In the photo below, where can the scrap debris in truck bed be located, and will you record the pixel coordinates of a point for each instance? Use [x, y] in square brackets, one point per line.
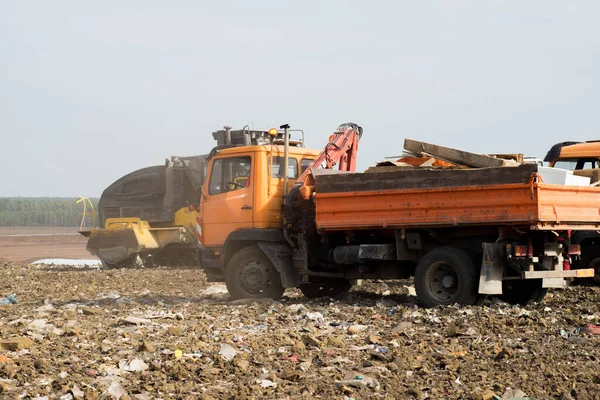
[427, 155]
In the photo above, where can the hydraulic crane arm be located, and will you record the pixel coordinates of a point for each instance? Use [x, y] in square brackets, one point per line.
[341, 150]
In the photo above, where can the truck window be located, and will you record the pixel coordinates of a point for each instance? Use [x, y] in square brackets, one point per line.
[580, 163]
[278, 163]
[306, 163]
[229, 174]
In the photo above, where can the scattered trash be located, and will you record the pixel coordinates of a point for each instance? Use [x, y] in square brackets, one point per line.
[137, 320]
[567, 334]
[356, 329]
[12, 299]
[314, 316]
[16, 343]
[227, 352]
[358, 381]
[411, 290]
[115, 390]
[265, 383]
[381, 349]
[77, 392]
[119, 344]
[215, 289]
[591, 329]
[135, 365]
[513, 394]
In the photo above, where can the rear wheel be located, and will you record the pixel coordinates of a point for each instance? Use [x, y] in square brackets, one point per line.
[591, 259]
[250, 275]
[523, 292]
[446, 276]
[331, 288]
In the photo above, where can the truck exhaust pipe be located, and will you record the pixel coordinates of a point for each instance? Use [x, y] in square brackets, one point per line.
[286, 150]
[227, 134]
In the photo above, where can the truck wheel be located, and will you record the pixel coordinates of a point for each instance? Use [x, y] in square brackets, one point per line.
[446, 276]
[591, 259]
[250, 275]
[523, 292]
[332, 288]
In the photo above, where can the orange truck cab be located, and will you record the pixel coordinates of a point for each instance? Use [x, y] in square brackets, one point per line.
[574, 155]
[242, 200]
[578, 156]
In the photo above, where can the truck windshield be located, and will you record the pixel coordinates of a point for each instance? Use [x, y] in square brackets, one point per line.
[278, 163]
[576, 163]
[229, 174]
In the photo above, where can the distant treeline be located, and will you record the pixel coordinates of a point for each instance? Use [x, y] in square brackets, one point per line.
[41, 211]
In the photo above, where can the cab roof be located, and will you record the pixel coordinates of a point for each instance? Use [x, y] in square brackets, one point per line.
[574, 150]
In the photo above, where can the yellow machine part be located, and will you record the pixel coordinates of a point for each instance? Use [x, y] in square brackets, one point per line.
[123, 237]
[186, 217]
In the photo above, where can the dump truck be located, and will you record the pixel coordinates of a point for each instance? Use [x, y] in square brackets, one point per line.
[462, 233]
[150, 216]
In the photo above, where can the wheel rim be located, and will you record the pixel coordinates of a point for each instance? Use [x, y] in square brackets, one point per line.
[441, 283]
[255, 277]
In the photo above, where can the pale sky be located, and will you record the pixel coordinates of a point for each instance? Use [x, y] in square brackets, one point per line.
[92, 90]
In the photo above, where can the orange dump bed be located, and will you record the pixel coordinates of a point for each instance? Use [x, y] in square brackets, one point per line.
[449, 197]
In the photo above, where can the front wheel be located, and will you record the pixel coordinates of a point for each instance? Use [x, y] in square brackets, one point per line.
[251, 275]
[447, 275]
[330, 288]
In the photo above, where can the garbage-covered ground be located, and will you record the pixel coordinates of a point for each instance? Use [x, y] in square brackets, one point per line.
[80, 332]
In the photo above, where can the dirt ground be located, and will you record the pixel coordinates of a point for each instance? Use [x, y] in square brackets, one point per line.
[31, 244]
[168, 334]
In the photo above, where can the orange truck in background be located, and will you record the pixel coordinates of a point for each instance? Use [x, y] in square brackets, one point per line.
[463, 234]
[583, 158]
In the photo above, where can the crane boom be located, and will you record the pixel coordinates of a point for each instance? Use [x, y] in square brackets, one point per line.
[340, 150]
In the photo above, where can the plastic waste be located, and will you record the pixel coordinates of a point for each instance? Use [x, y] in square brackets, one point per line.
[265, 383]
[135, 365]
[227, 352]
[178, 354]
[314, 316]
[591, 329]
[359, 381]
[12, 299]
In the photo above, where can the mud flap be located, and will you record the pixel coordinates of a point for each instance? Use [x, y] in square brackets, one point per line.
[281, 257]
[492, 269]
[553, 261]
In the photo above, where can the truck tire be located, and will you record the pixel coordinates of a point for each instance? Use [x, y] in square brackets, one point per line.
[446, 275]
[331, 288]
[591, 259]
[251, 275]
[523, 292]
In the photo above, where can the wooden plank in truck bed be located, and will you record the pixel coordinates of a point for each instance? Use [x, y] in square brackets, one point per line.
[455, 156]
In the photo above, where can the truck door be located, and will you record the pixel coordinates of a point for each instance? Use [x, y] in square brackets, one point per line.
[228, 197]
